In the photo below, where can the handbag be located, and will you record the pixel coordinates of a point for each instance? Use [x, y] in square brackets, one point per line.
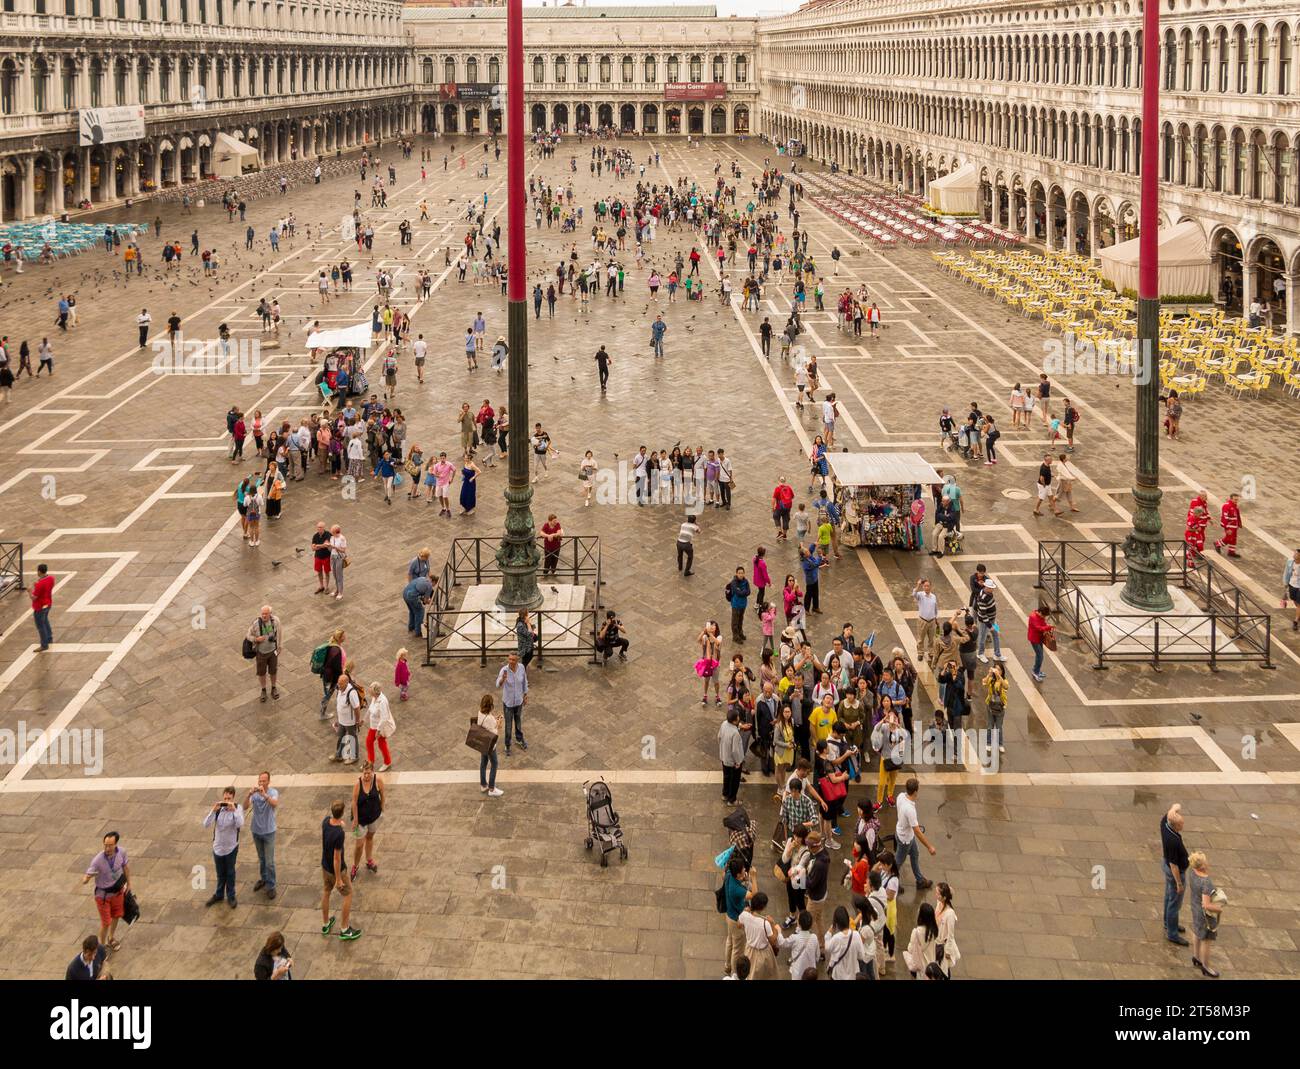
[480, 739]
[1049, 639]
[248, 649]
[831, 791]
[130, 908]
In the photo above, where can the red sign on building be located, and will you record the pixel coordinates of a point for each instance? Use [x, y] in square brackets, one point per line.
[695, 91]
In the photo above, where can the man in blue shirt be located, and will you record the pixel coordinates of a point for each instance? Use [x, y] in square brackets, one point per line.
[263, 800]
[657, 331]
[513, 681]
[811, 562]
[225, 819]
[738, 886]
[738, 595]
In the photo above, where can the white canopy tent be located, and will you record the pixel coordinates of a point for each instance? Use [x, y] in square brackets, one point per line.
[356, 337]
[957, 193]
[1184, 261]
[231, 157]
[881, 469]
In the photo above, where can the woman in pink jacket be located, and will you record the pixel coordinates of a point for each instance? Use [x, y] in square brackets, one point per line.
[761, 580]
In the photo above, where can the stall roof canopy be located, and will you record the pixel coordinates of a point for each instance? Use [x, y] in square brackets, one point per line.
[881, 469]
[357, 337]
[1185, 261]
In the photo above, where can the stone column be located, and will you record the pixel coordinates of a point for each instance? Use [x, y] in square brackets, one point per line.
[27, 200]
[1248, 269]
[54, 194]
[83, 174]
[1292, 325]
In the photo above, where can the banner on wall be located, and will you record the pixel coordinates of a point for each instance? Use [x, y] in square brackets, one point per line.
[695, 91]
[468, 91]
[102, 126]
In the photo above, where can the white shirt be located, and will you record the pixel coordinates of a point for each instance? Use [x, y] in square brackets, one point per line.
[346, 705]
[927, 605]
[421, 348]
[381, 714]
[724, 470]
[844, 951]
[805, 952]
[757, 930]
[905, 831]
[688, 532]
[144, 319]
[828, 413]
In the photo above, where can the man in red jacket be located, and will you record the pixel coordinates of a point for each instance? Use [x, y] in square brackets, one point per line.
[42, 591]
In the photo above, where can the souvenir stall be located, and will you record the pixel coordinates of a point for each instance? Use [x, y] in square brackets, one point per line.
[874, 492]
[343, 355]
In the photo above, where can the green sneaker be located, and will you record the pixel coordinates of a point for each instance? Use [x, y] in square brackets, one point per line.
[348, 934]
[327, 928]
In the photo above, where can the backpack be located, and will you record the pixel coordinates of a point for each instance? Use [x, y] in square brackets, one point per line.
[318, 658]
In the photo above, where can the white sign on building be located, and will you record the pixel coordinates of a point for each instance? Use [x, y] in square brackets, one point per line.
[101, 126]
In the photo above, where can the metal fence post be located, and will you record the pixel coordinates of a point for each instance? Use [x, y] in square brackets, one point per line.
[1214, 642]
[482, 639]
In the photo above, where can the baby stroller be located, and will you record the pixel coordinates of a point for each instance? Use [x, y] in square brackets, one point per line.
[602, 822]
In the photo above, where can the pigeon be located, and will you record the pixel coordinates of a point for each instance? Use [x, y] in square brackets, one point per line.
[276, 563]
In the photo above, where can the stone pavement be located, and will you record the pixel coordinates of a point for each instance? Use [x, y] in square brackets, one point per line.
[119, 478]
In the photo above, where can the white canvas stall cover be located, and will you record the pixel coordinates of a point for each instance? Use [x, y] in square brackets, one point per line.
[357, 337]
[881, 469]
[230, 156]
[1184, 261]
[957, 193]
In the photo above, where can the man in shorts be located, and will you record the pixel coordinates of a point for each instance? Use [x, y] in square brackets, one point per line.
[782, 499]
[1291, 579]
[334, 871]
[421, 350]
[1046, 487]
[320, 564]
[442, 473]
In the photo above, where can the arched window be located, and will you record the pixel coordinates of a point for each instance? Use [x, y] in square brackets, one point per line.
[606, 69]
[1243, 60]
[742, 73]
[561, 68]
[1171, 61]
[539, 70]
[1283, 60]
[119, 83]
[142, 81]
[449, 69]
[1223, 59]
[674, 69]
[584, 69]
[697, 69]
[8, 87]
[628, 68]
[40, 84]
[494, 70]
[720, 72]
[426, 71]
[69, 85]
[1186, 42]
[1261, 60]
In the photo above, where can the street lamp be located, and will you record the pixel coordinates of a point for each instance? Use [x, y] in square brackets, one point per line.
[517, 555]
[1144, 582]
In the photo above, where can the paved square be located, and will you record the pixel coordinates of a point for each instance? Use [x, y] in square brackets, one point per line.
[120, 479]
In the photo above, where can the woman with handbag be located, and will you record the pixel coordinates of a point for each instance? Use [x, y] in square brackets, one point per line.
[832, 785]
[996, 692]
[488, 755]
[924, 946]
[382, 727]
[1041, 634]
[889, 739]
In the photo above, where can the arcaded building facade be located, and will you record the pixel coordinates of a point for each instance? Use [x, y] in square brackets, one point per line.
[292, 78]
[1045, 99]
[652, 69]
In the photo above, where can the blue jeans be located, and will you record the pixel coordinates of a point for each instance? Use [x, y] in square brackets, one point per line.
[414, 613]
[265, 859]
[484, 760]
[912, 850]
[658, 347]
[42, 618]
[225, 867]
[515, 715]
[1173, 904]
[982, 638]
[1038, 657]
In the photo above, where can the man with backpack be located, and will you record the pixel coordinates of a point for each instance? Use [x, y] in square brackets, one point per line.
[347, 709]
[264, 638]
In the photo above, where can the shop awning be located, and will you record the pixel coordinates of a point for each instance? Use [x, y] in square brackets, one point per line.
[357, 337]
[957, 192]
[881, 469]
[1184, 264]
